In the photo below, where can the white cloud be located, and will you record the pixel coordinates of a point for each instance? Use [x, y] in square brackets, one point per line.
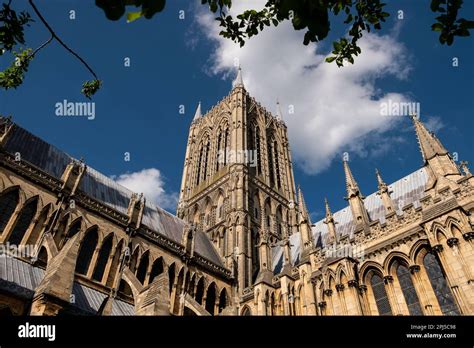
[434, 123]
[336, 109]
[149, 182]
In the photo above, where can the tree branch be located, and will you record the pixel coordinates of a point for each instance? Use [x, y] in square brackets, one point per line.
[53, 34]
[40, 47]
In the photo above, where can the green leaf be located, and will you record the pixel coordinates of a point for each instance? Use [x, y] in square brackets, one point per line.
[133, 16]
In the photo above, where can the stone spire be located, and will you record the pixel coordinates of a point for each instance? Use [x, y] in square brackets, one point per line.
[305, 228]
[238, 82]
[302, 206]
[329, 220]
[430, 146]
[279, 114]
[384, 193]
[355, 198]
[351, 184]
[198, 113]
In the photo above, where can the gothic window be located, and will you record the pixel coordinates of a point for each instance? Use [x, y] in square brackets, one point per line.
[258, 146]
[440, 285]
[156, 269]
[75, 227]
[277, 164]
[171, 276]
[381, 298]
[199, 165]
[226, 144]
[102, 259]
[143, 267]
[206, 161]
[200, 290]
[408, 289]
[88, 245]
[219, 150]
[255, 256]
[23, 221]
[8, 203]
[271, 172]
[211, 298]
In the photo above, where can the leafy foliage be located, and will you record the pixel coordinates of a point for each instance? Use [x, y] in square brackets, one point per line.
[13, 76]
[448, 25]
[89, 88]
[313, 16]
[11, 28]
[115, 9]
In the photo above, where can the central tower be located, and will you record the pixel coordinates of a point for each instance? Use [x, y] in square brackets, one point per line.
[238, 184]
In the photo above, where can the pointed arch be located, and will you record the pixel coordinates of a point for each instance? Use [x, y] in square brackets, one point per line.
[171, 276]
[211, 298]
[103, 258]
[439, 284]
[86, 250]
[143, 267]
[377, 286]
[199, 290]
[39, 225]
[223, 300]
[23, 221]
[399, 267]
[156, 269]
[9, 200]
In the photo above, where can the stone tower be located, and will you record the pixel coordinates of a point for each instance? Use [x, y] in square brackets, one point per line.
[238, 184]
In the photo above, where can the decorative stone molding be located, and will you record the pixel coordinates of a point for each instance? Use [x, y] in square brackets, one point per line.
[468, 235]
[362, 288]
[339, 287]
[414, 269]
[438, 248]
[322, 304]
[352, 283]
[388, 279]
[328, 292]
[452, 242]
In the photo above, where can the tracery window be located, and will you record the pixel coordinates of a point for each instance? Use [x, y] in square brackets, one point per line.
[440, 285]
[380, 295]
[408, 289]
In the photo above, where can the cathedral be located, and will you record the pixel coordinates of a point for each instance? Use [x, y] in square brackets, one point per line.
[73, 241]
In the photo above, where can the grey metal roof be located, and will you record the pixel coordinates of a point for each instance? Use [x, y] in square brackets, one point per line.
[23, 278]
[102, 188]
[122, 308]
[409, 189]
[36, 151]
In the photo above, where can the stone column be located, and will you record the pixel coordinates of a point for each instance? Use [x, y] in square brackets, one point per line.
[388, 280]
[420, 290]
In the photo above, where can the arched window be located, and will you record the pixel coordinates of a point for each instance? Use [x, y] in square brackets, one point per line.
[103, 258]
[23, 221]
[255, 255]
[73, 229]
[408, 289]
[211, 298]
[199, 165]
[171, 276]
[440, 285]
[271, 172]
[381, 298]
[258, 148]
[200, 290]
[222, 300]
[246, 311]
[206, 161]
[8, 203]
[220, 152]
[88, 245]
[156, 269]
[277, 164]
[143, 267]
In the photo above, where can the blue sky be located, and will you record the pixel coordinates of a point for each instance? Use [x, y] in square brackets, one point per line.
[178, 62]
